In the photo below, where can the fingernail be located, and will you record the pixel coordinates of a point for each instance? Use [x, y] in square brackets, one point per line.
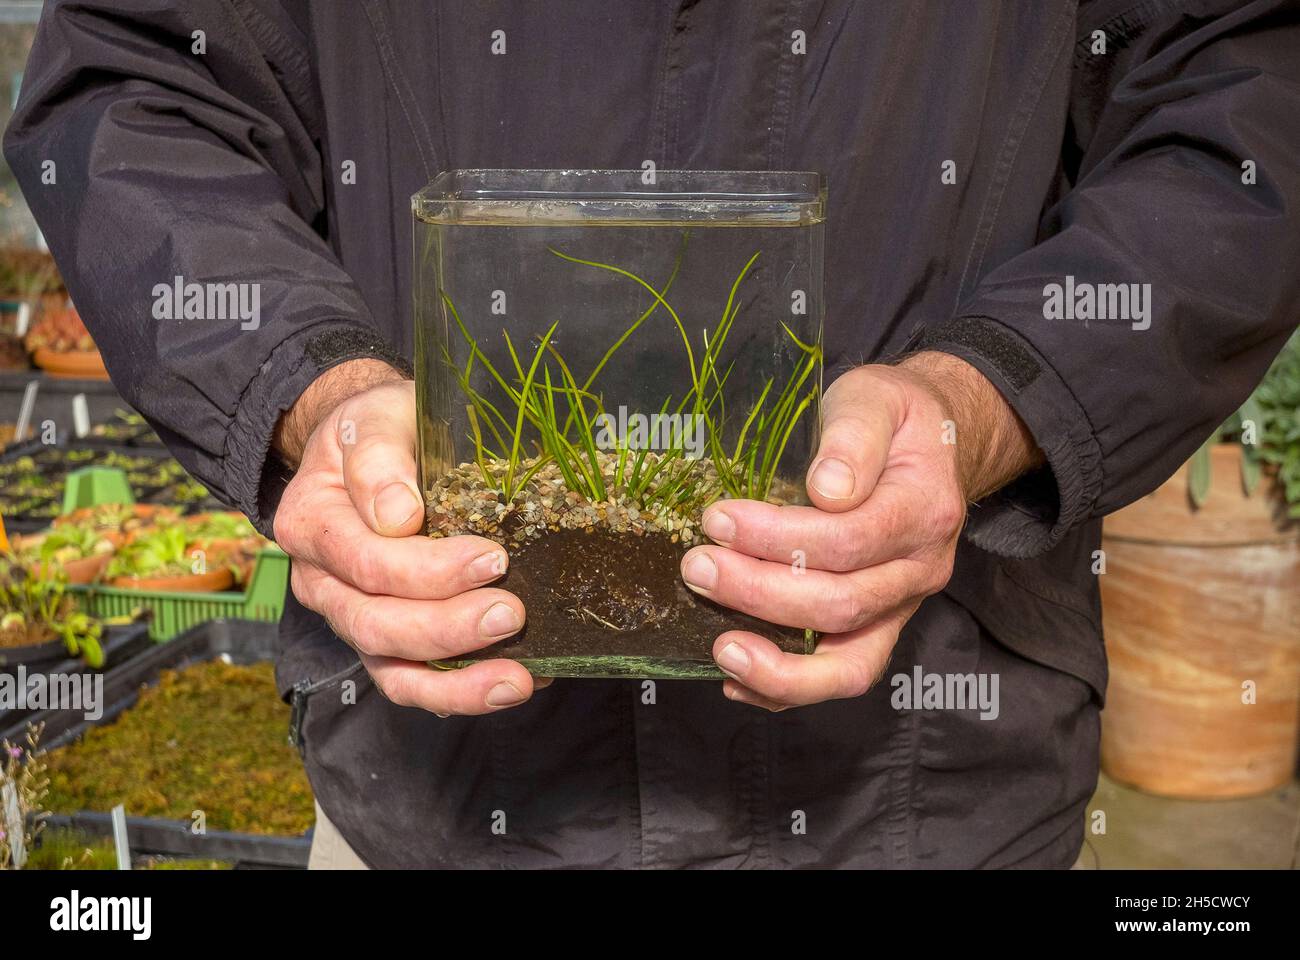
[734, 660]
[701, 572]
[504, 694]
[500, 621]
[833, 479]
[719, 527]
[395, 504]
[489, 566]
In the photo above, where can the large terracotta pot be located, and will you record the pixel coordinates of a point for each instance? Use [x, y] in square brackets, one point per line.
[72, 364]
[1202, 614]
[214, 581]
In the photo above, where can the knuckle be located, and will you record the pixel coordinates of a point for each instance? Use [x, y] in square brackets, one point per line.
[849, 609]
[354, 409]
[845, 546]
[398, 688]
[366, 629]
[391, 690]
[855, 678]
[285, 523]
[898, 519]
[364, 641]
[946, 517]
[367, 567]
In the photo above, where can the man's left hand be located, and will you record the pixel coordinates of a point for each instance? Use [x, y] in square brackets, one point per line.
[903, 450]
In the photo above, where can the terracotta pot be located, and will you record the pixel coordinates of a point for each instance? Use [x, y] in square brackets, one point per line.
[81, 570]
[73, 364]
[211, 582]
[1202, 614]
[85, 570]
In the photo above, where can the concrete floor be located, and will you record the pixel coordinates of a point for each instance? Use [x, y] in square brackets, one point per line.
[1143, 831]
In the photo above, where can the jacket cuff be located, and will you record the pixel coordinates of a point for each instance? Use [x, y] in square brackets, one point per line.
[1032, 514]
[255, 477]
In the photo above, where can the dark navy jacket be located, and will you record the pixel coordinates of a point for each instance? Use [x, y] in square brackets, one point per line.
[1107, 141]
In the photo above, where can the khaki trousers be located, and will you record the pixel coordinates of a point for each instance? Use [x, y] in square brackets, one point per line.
[329, 851]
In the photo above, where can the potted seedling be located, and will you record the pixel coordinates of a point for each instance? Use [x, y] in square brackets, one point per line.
[28, 280]
[1202, 610]
[62, 346]
[118, 520]
[229, 537]
[78, 552]
[599, 359]
[167, 558]
[39, 621]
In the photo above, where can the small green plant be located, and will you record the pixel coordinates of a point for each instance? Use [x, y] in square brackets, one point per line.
[38, 609]
[170, 549]
[26, 273]
[565, 413]
[221, 526]
[66, 543]
[1267, 426]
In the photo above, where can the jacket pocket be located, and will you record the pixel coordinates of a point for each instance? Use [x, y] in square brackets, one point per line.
[302, 693]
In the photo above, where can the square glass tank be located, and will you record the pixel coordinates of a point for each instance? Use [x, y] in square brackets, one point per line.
[600, 354]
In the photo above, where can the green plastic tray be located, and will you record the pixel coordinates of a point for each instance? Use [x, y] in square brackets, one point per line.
[173, 612]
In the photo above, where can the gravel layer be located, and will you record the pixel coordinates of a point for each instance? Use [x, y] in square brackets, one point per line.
[461, 502]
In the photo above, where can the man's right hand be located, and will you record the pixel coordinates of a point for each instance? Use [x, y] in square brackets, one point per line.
[349, 519]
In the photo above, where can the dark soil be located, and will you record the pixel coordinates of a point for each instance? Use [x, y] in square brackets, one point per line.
[594, 592]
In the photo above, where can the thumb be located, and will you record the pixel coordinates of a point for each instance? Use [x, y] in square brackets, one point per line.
[377, 439]
[860, 413]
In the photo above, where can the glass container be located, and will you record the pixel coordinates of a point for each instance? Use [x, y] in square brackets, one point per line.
[600, 354]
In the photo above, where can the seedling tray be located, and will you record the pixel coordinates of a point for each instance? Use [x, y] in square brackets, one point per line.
[120, 645]
[172, 613]
[60, 471]
[173, 838]
[243, 642]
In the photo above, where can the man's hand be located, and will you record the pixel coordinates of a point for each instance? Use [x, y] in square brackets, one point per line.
[904, 449]
[348, 519]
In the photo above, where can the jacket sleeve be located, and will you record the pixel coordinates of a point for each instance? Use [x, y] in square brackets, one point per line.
[1183, 168]
[176, 143]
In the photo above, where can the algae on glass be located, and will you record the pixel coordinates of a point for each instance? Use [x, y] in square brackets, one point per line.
[599, 356]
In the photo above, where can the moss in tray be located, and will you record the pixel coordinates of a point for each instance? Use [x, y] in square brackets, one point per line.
[210, 737]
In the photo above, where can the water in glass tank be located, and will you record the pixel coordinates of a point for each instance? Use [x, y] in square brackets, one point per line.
[598, 358]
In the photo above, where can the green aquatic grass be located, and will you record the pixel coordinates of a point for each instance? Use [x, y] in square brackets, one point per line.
[564, 413]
